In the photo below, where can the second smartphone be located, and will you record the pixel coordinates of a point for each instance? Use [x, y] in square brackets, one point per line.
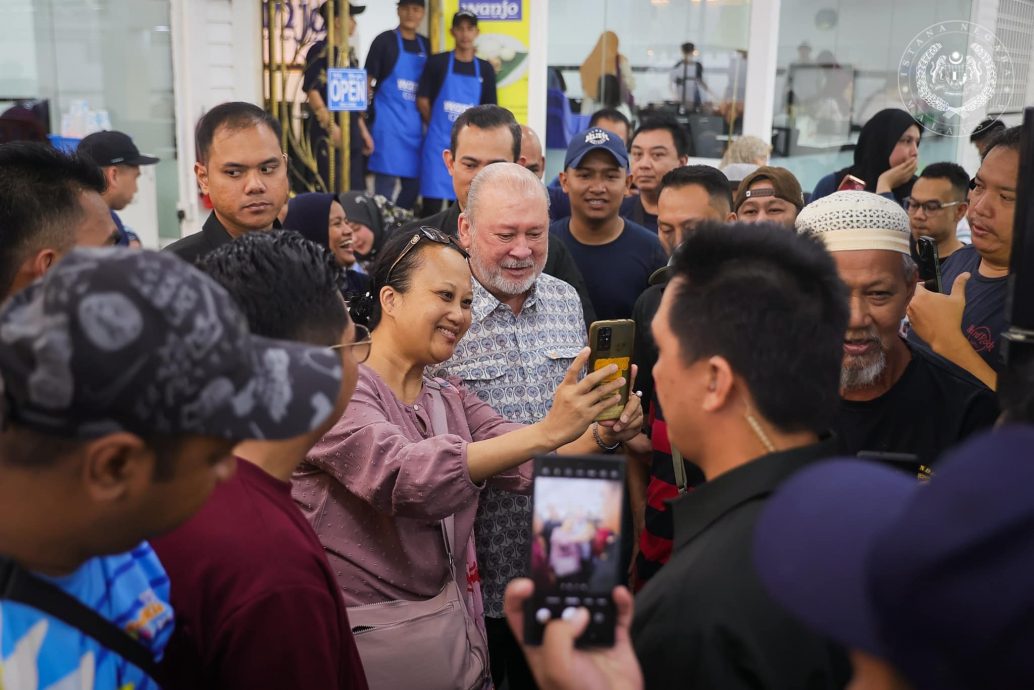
[612, 342]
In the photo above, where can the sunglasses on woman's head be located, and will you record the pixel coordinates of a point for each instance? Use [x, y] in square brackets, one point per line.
[427, 233]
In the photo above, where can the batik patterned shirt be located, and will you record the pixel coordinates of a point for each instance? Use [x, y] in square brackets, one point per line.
[514, 362]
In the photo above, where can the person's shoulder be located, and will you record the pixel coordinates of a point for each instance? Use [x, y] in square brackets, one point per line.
[556, 291]
[437, 221]
[965, 258]
[956, 382]
[640, 235]
[561, 226]
[486, 68]
[386, 36]
[188, 248]
[649, 299]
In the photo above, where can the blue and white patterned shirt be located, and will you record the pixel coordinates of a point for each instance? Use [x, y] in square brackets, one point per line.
[514, 362]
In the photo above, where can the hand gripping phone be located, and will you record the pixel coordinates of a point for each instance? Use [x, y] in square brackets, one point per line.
[612, 342]
[575, 553]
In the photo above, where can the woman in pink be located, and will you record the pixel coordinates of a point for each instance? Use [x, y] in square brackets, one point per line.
[378, 486]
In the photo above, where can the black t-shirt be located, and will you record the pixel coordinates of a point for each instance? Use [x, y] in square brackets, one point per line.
[434, 76]
[983, 319]
[615, 273]
[632, 209]
[315, 77]
[931, 408]
[384, 53]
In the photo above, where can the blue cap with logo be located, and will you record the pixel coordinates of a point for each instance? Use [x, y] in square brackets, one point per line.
[595, 139]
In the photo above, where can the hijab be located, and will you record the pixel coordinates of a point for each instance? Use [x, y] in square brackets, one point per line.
[876, 142]
[309, 215]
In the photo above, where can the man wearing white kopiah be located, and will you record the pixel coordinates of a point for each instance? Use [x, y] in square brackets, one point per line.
[897, 403]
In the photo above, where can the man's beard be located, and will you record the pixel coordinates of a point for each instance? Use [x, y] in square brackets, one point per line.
[863, 371]
[491, 275]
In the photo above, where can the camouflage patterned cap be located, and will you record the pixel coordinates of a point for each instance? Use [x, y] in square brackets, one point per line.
[140, 341]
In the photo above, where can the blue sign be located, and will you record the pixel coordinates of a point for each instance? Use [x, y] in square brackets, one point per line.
[346, 89]
[495, 10]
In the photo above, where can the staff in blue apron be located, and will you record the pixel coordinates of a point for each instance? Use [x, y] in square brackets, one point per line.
[453, 82]
[397, 128]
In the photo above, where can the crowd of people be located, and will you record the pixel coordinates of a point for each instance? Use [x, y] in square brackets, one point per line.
[293, 450]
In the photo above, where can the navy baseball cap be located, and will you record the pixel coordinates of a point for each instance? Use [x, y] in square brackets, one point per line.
[113, 148]
[932, 577]
[141, 341]
[593, 140]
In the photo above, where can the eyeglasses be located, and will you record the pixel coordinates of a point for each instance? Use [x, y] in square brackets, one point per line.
[360, 346]
[429, 233]
[928, 206]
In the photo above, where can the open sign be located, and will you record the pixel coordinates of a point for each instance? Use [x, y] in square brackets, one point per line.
[346, 89]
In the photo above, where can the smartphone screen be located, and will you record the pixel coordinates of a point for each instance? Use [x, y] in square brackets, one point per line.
[851, 183]
[576, 543]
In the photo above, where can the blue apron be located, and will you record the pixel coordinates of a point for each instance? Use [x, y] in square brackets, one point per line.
[397, 126]
[458, 92]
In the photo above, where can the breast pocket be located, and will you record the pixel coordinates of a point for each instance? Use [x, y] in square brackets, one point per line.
[478, 368]
[560, 357]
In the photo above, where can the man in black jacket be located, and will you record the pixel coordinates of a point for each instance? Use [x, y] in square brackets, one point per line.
[243, 170]
[481, 136]
[749, 332]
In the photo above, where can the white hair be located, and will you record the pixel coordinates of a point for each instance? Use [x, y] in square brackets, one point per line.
[514, 178]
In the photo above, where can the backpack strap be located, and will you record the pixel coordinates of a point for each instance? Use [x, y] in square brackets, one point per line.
[19, 585]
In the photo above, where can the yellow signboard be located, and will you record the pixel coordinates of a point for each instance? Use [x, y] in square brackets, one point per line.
[505, 30]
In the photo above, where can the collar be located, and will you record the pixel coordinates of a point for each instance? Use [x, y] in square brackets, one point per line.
[485, 303]
[216, 234]
[706, 504]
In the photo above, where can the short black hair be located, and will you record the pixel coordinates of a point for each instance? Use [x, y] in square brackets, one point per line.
[367, 311]
[39, 201]
[713, 180]
[771, 303]
[678, 134]
[26, 448]
[487, 116]
[954, 173]
[233, 115]
[985, 129]
[1009, 138]
[288, 287]
[609, 114]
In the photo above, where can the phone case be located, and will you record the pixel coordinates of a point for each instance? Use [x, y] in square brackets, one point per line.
[618, 350]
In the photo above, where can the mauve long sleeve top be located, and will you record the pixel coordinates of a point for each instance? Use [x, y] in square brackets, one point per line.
[376, 487]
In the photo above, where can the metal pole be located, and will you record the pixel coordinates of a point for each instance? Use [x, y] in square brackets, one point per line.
[332, 146]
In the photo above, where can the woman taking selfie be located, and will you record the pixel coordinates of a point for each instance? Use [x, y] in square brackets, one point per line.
[392, 490]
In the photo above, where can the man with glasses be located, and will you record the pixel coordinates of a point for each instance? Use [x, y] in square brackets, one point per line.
[938, 204]
[898, 403]
[256, 601]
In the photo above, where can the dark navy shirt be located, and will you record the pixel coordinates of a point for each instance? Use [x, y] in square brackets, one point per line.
[615, 273]
[983, 319]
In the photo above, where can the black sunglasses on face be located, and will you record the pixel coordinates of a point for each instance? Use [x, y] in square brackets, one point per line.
[427, 233]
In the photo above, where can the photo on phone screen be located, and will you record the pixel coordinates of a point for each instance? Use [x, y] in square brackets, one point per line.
[576, 543]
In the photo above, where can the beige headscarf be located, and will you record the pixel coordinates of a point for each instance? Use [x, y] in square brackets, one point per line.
[602, 60]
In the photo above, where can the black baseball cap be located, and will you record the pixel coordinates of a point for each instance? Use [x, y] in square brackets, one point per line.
[932, 577]
[464, 16]
[140, 341]
[411, 2]
[113, 148]
[592, 140]
[352, 9]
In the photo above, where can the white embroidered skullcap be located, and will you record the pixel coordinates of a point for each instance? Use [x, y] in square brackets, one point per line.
[846, 221]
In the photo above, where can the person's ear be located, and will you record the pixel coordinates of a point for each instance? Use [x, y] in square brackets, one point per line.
[731, 218]
[628, 184]
[116, 466]
[110, 176]
[464, 232]
[389, 300]
[450, 161]
[960, 212]
[201, 173]
[683, 161]
[562, 177]
[720, 381]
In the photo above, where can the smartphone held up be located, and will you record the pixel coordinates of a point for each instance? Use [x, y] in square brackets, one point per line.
[575, 552]
[611, 342]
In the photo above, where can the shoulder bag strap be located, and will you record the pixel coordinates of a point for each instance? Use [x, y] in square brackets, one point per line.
[18, 584]
[440, 426]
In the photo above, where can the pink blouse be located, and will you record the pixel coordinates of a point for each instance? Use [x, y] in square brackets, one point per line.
[376, 486]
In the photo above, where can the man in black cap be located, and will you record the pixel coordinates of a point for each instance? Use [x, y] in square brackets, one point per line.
[128, 378]
[452, 82]
[314, 84]
[120, 160]
[393, 67]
